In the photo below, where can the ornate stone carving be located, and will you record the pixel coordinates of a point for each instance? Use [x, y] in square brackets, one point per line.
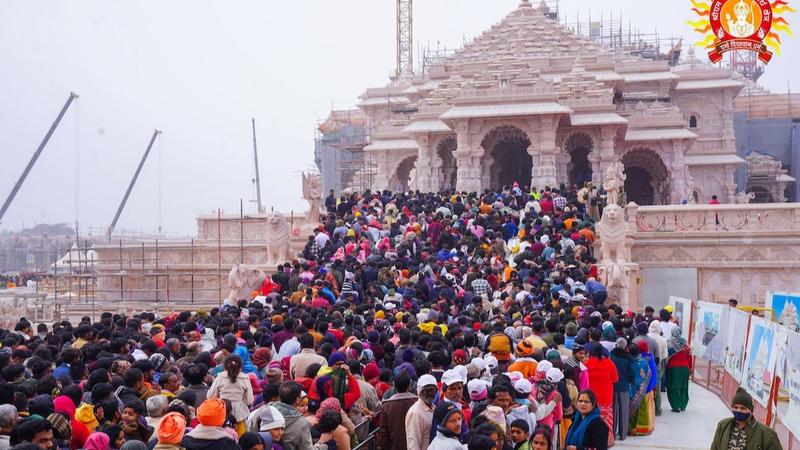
[278, 232]
[679, 254]
[751, 254]
[312, 193]
[717, 256]
[615, 180]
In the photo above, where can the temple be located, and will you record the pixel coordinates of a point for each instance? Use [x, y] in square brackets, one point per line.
[529, 101]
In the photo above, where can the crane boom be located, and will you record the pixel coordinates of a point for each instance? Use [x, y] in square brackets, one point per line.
[36, 154]
[405, 40]
[258, 178]
[132, 183]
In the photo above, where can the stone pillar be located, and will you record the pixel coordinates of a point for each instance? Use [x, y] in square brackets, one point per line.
[469, 171]
[605, 154]
[543, 154]
[486, 170]
[562, 166]
[426, 171]
[730, 184]
[383, 171]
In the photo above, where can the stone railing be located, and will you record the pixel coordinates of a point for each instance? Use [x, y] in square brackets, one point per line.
[752, 218]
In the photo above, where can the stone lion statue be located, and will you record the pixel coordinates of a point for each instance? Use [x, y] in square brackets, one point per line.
[743, 198]
[242, 281]
[611, 231]
[278, 234]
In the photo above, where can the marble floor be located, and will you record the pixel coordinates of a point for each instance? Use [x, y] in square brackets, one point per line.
[689, 430]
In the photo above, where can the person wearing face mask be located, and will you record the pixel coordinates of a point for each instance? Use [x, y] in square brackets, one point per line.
[743, 431]
[419, 417]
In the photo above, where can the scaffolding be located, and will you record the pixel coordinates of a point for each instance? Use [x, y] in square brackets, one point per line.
[339, 151]
[610, 30]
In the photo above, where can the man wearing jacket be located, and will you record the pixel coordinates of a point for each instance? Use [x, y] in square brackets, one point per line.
[743, 431]
[297, 434]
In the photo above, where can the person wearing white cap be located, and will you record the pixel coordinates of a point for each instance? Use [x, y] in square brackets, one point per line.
[521, 409]
[453, 391]
[419, 417]
[478, 393]
[491, 367]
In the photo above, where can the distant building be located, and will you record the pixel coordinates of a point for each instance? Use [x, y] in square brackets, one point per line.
[339, 152]
[767, 134]
[531, 101]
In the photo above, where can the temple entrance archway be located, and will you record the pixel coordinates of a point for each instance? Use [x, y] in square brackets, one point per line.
[508, 147]
[448, 172]
[647, 178]
[401, 181]
[579, 169]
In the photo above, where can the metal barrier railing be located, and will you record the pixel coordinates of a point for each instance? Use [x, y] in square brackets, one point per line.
[370, 443]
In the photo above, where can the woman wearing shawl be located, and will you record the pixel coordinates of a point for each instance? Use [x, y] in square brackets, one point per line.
[261, 359]
[588, 430]
[602, 376]
[643, 409]
[679, 367]
[336, 381]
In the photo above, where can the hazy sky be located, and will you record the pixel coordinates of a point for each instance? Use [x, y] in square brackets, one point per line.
[199, 70]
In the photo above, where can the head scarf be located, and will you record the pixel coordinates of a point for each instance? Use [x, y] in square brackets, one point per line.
[97, 441]
[61, 425]
[329, 404]
[64, 405]
[261, 357]
[676, 341]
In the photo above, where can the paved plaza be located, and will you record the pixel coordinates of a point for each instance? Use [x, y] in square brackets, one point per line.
[689, 430]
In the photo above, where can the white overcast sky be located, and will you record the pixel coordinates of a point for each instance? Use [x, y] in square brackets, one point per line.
[199, 70]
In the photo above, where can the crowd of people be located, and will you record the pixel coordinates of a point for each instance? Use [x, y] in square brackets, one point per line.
[443, 321]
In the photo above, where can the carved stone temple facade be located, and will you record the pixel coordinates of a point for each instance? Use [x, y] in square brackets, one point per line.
[529, 101]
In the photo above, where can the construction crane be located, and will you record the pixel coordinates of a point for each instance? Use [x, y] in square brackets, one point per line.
[405, 41]
[257, 179]
[132, 183]
[36, 154]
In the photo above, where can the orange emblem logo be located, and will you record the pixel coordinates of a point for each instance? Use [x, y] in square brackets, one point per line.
[751, 25]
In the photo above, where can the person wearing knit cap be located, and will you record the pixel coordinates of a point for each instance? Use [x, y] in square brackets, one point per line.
[62, 433]
[209, 434]
[447, 420]
[419, 417]
[271, 428]
[170, 431]
[743, 430]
